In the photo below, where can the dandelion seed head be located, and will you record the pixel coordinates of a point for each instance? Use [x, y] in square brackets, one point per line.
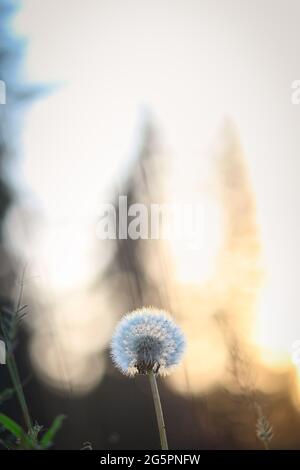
[147, 340]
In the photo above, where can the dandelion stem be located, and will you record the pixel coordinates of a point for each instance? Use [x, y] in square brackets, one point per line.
[158, 411]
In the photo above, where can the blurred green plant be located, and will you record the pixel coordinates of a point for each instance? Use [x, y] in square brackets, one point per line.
[9, 322]
[19, 438]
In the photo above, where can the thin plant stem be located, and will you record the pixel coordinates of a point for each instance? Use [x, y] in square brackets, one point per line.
[158, 411]
[15, 378]
[12, 364]
[266, 445]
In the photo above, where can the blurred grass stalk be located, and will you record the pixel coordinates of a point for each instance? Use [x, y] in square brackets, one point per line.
[15, 378]
[10, 333]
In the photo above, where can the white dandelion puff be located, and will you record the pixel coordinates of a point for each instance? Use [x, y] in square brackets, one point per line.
[147, 340]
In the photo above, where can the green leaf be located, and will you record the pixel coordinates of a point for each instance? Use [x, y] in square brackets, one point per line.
[11, 426]
[15, 429]
[48, 437]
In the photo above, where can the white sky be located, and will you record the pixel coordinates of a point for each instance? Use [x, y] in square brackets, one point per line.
[192, 62]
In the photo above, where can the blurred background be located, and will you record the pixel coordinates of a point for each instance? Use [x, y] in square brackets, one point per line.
[164, 102]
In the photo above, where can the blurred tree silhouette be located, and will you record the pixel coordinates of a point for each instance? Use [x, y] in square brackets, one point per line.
[17, 94]
[142, 185]
[9, 62]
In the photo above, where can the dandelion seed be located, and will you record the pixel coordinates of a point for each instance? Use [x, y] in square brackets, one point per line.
[148, 341]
